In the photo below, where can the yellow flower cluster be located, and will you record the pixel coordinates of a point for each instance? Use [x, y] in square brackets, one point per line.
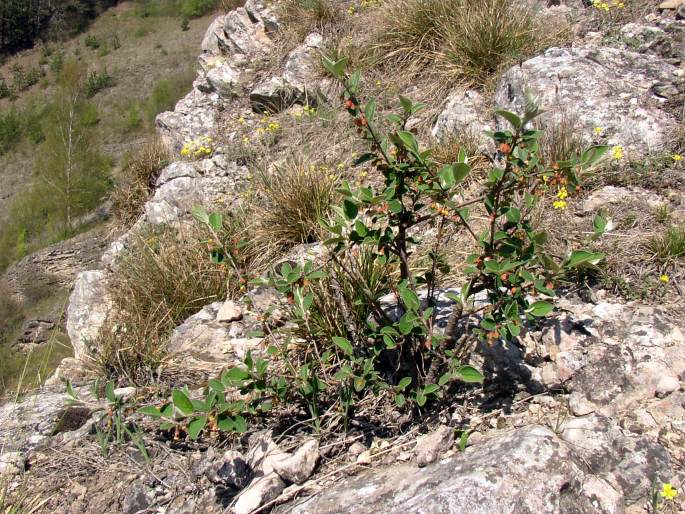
[598, 131]
[561, 202]
[677, 157]
[306, 110]
[608, 6]
[267, 125]
[668, 492]
[664, 278]
[617, 152]
[198, 148]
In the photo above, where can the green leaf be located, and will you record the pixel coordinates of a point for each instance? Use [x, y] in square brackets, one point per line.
[240, 424]
[431, 389]
[335, 68]
[510, 117]
[540, 308]
[216, 221]
[461, 171]
[234, 375]
[350, 209]
[407, 104]
[395, 206]
[599, 224]
[409, 140]
[410, 299]
[444, 379]
[344, 345]
[199, 214]
[468, 374]
[463, 440]
[109, 392]
[513, 215]
[592, 156]
[182, 402]
[70, 391]
[400, 400]
[446, 176]
[151, 411]
[402, 385]
[583, 257]
[216, 385]
[196, 426]
[370, 110]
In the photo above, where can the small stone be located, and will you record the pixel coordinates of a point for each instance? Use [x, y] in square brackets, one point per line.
[11, 463]
[579, 405]
[125, 393]
[137, 500]
[298, 467]
[229, 311]
[259, 492]
[356, 449]
[431, 446]
[364, 457]
[666, 385]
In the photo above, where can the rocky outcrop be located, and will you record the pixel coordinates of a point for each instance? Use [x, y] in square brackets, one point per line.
[464, 114]
[529, 470]
[617, 90]
[89, 306]
[299, 82]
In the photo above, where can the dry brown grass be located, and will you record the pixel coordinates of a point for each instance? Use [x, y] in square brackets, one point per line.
[300, 17]
[464, 41]
[137, 179]
[290, 200]
[165, 276]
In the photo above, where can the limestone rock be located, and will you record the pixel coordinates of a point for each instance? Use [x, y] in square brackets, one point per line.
[260, 491]
[430, 447]
[11, 463]
[229, 469]
[464, 114]
[599, 87]
[89, 306]
[298, 467]
[193, 117]
[529, 470]
[229, 311]
[612, 196]
[183, 185]
[298, 83]
[204, 342]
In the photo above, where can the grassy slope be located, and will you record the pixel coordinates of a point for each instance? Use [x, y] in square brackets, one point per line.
[152, 49]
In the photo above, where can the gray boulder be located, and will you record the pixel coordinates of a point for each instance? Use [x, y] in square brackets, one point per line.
[299, 82]
[530, 470]
[615, 89]
[89, 306]
[464, 115]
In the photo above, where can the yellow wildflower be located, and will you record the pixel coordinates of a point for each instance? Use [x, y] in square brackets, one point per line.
[617, 152]
[246, 139]
[668, 492]
[598, 130]
[560, 204]
[664, 278]
[562, 193]
[677, 157]
[241, 120]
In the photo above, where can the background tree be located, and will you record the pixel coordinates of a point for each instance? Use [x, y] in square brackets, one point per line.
[70, 167]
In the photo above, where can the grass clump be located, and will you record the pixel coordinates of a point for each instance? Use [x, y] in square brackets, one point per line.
[164, 277]
[669, 246]
[300, 17]
[96, 82]
[465, 40]
[137, 180]
[291, 200]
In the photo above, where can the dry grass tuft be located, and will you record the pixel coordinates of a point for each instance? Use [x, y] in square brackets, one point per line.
[669, 245]
[137, 180]
[290, 200]
[561, 140]
[466, 41]
[300, 17]
[166, 276]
